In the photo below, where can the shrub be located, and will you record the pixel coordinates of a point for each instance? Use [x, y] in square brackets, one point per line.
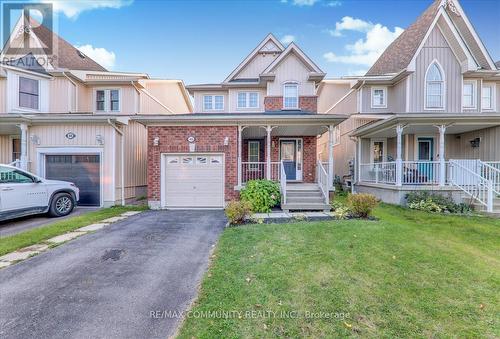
[236, 211]
[362, 204]
[446, 204]
[262, 195]
[425, 205]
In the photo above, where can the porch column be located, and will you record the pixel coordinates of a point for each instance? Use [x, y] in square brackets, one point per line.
[399, 155]
[330, 156]
[240, 129]
[24, 146]
[268, 152]
[442, 164]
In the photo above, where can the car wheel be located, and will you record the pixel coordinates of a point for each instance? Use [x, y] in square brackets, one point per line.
[62, 204]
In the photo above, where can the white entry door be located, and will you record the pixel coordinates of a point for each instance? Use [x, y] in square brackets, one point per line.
[193, 181]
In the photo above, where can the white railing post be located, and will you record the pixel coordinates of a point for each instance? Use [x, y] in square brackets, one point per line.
[330, 156]
[489, 206]
[283, 182]
[399, 155]
[240, 129]
[24, 146]
[442, 168]
[268, 155]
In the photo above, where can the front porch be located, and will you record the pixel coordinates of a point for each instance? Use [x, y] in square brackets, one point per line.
[454, 157]
[13, 144]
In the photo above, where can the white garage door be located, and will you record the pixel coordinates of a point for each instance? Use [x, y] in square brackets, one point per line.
[194, 181]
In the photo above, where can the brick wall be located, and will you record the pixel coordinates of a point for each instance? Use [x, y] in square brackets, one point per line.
[306, 103]
[173, 139]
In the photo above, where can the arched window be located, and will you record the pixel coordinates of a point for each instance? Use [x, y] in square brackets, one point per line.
[434, 84]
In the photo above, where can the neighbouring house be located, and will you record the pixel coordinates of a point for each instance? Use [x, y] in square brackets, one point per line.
[426, 116]
[261, 122]
[66, 117]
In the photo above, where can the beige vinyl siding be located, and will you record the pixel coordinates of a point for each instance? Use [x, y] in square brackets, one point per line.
[291, 68]
[458, 146]
[5, 149]
[169, 93]
[54, 136]
[436, 48]
[60, 98]
[330, 94]
[135, 151]
[256, 65]
[198, 101]
[3, 95]
[396, 98]
[233, 100]
[347, 105]
[85, 99]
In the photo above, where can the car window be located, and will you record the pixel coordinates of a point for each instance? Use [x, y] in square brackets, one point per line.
[13, 176]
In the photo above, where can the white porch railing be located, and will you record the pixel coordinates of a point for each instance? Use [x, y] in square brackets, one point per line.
[322, 176]
[283, 183]
[472, 183]
[412, 173]
[258, 170]
[16, 163]
[490, 170]
[379, 172]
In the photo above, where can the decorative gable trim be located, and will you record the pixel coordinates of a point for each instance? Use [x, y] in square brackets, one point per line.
[293, 48]
[261, 47]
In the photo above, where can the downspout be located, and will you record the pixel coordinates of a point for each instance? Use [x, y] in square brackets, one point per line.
[122, 160]
[76, 90]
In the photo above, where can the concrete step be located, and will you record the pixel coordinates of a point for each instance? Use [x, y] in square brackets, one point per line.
[304, 194]
[305, 207]
[305, 200]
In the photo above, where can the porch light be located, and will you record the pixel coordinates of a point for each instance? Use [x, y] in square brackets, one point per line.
[35, 140]
[475, 142]
[226, 141]
[99, 139]
[156, 141]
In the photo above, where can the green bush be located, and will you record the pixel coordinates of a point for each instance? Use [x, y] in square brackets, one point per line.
[362, 204]
[340, 211]
[236, 211]
[446, 204]
[425, 205]
[262, 195]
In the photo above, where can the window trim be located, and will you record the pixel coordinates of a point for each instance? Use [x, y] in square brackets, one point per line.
[288, 83]
[384, 89]
[19, 93]
[213, 102]
[107, 99]
[443, 81]
[474, 94]
[247, 100]
[493, 98]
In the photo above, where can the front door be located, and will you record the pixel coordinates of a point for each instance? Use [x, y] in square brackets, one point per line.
[291, 155]
[425, 154]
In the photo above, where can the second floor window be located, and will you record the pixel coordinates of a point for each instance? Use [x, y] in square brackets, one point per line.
[487, 97]
[107, 100]
[469, 94]
[379, 97]
[290, 96]
[28, 93]
[248, 100]
[213, 102]
[434, 84]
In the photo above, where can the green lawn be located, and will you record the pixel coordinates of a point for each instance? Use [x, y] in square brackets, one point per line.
[411, 274]
[17, 241]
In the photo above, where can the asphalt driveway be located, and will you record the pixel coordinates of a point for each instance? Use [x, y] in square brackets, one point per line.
[112, 283]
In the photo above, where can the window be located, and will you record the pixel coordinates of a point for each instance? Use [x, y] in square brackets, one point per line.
[28, 93]
[187, 160]
[172, 160]
[201, 160]
[16, 149]
[469, 94]
[487, 97]
[378, 150]
[291, 96]
[379, 97]
[100, 101]
[213, 102]
[216, 160]
[14, 176]
[254, 154]
[248, 100]
[434, 84]
[107, 100]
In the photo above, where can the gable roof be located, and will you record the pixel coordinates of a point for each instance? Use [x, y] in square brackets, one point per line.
[293, 48]
[263, 46]
[68, 56]
[497, 64]
[27, 62]
[400, 52]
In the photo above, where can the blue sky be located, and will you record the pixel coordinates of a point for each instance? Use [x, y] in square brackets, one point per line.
[203, 41]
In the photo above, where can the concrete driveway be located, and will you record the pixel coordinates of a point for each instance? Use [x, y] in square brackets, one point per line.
[109, 283]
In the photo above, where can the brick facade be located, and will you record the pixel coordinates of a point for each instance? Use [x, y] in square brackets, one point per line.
[173, 139]
[306, 103]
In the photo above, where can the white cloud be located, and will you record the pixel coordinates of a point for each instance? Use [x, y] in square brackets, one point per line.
[102, 56]
[334, 3]
[73, 8]
[357, 72]
[364, 51]
[304, 2]
[287, 39]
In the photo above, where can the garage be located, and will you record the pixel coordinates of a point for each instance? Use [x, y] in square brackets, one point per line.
[193, 181]
[81, 169]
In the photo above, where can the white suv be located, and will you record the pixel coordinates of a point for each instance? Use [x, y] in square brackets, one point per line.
[23, 193]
